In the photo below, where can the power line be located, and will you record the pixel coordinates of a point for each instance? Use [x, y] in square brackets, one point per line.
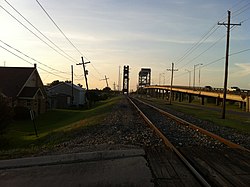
[199, 43]
[66, 36]
[59, 28]
[241, 10]
[31, 57]
[203, 52]
[233, 6]
[217, 60]
[31, 63]
[96, 70]
[39, 31]
[242, 51]
[245, 20]
[34, 33]
[207, 35]
[190, 50]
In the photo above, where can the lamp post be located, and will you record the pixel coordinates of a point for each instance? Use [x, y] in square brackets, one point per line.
[194, 74]
[200, 75]
[189, 75]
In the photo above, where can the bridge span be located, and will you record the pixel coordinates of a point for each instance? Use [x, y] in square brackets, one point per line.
[216, 94]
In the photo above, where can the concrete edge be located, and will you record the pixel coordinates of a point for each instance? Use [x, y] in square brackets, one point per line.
[69, 158]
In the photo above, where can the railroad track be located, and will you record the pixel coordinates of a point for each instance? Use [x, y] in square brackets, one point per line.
[213, 160]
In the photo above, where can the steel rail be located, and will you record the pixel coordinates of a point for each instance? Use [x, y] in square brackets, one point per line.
[192, 126]
[167, 143]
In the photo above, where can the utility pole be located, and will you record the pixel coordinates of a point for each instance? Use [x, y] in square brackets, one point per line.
[106, 79]
[171, 85]
[119, 79]
[228, 26]
[85, 72]
[72, 90]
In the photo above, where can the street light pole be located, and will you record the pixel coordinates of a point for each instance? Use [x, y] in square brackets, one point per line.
[189, 80]
[200, 76]
[194, 74]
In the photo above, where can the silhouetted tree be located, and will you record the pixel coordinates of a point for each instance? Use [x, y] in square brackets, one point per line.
[54, 83]
[107, 89]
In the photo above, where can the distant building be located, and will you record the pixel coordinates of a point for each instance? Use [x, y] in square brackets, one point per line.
[60, 95]
[22, 86]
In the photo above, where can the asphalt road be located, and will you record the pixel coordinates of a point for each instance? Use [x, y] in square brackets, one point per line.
[103, 168]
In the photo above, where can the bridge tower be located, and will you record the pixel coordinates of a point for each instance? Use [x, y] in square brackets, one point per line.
[144, 78]
[125, 79]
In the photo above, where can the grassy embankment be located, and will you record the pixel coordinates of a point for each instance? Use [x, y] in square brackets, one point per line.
[53, 127]
[235, 117]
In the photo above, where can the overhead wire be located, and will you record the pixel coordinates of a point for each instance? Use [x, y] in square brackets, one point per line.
[31, 57]
[197, 44]
[208, 34]
[241, 10]
[39, 31]
[58, 28]
[66, 36]
[34, 33]
[31, 63]
[213, 44]
[231, 8]
[217, 60]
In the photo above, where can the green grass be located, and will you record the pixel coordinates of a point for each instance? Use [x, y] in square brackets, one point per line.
[53, 127]
[236, 119]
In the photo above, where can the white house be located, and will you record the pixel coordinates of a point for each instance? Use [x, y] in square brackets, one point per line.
[60, 95]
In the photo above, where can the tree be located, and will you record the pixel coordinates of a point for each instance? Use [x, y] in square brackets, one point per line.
[107, 89]
[54, 83]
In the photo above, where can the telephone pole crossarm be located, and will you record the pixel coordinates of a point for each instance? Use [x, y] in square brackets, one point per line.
[231, 24]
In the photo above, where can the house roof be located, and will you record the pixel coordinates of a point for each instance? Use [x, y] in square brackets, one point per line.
[12, 79]
[67, 84]
[74, 86]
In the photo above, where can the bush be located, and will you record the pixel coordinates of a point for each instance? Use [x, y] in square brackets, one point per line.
[6, 115]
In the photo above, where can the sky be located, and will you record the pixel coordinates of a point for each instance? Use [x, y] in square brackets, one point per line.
[138, 33]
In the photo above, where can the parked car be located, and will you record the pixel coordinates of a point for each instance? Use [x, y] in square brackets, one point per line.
[208, 88]
[234, 89]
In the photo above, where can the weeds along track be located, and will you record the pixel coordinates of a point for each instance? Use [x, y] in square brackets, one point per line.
[213, 159]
